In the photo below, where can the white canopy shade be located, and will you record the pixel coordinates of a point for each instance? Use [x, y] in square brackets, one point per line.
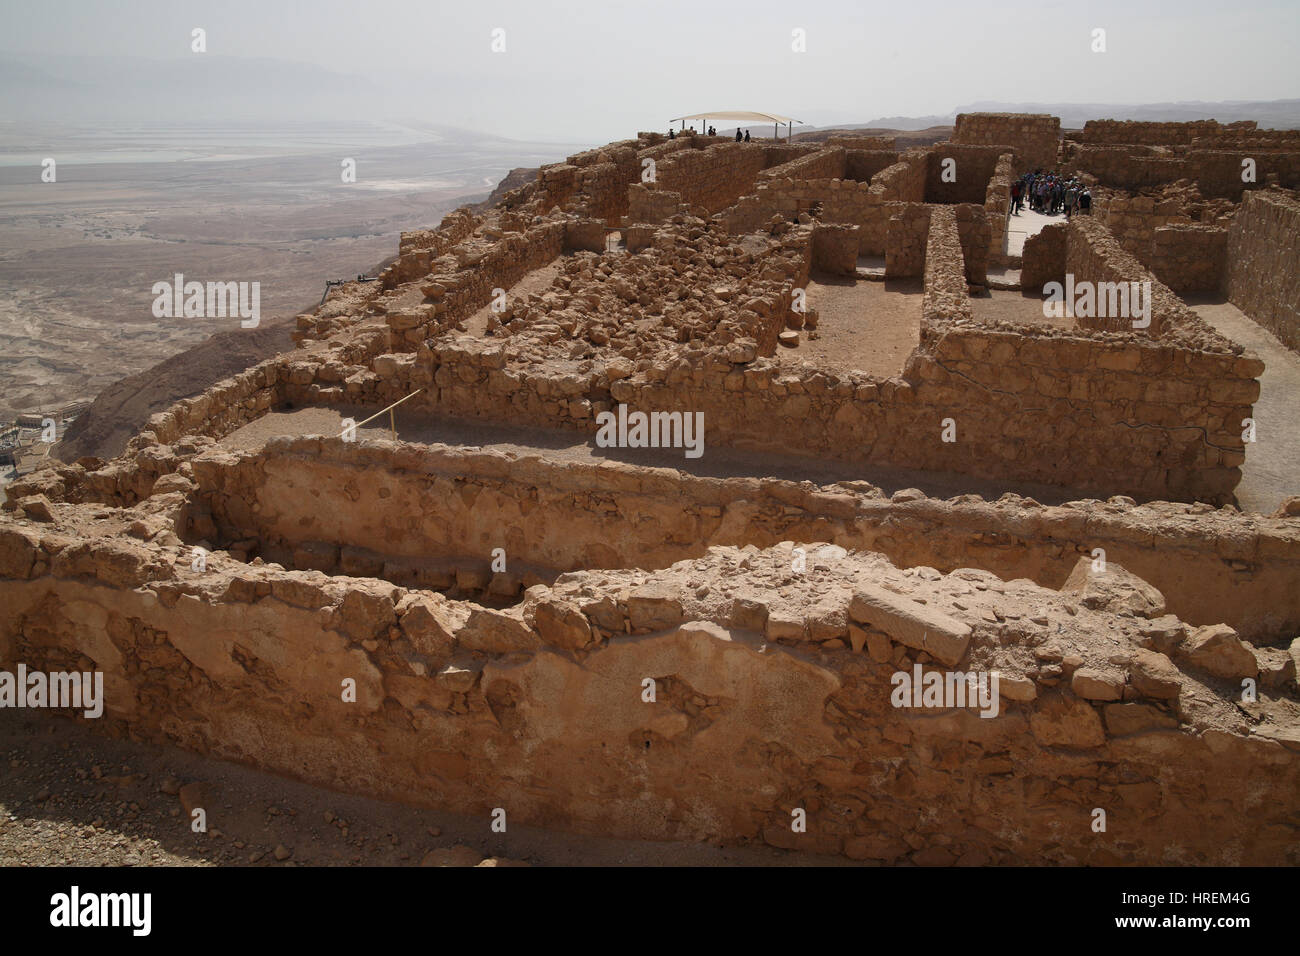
[738, 115]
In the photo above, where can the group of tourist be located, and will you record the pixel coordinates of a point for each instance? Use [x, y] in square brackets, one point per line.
[713, 132]
[1050, 194]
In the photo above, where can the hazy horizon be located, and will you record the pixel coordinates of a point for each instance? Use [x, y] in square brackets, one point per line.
[593, 72]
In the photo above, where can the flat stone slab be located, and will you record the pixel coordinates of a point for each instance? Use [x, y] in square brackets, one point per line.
[915, 625]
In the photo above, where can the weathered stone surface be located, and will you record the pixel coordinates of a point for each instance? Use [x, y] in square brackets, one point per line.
[1114, 589]
[1134, 718]
[653, 607]
[1217, 649]
[1066, 721]
[909, 623]
[1091, 684]
[1154, 675]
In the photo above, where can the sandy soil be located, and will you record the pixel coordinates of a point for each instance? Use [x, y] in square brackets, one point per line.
[1003, 306]
[864, 325]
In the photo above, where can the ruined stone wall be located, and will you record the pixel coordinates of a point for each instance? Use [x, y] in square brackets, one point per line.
[418, 249]
[1129, 167]
[602, 186]
[873, 143]
[945, 283]
[1035, 137]
[1176, 437]
[1093, 255]
[592, 515]
[650, 205]
[835, 249]
[1119, 132]
[826, 163]
[1133, 425]
[997, 204]
[905, 238]
[976, 233]
[1189, 258]
[904, 181]
[714, 177]
[459, 288]
[862, 164]
[1262, 277]
[972, 168]
[1282, 139]
[1217, 173]
[834, 201]
[455, 702]
[1043, 258]
[1133, 220]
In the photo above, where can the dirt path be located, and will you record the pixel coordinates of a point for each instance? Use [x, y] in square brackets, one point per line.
[1270, 473]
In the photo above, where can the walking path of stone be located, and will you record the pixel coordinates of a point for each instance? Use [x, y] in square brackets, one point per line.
[1270, 472]
[1025, 224]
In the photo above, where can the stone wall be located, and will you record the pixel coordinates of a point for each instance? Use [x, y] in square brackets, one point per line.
[872, 143]
[1119, 132]
[835, 249]
[1262, 277]
[945, 283]
[1270, 139]
[975, 230]
[826, 163]
[1043, 258]
[455, 702]
[1133, 220]
[714, 177]
[647, 205]
[1132, 424]
[1035, 137]
[971, 169]
[862, 164]
[1093, 255]
[1186, 256]
[416, 250]
[592, 515]
[905, 238]
[1129, 167]
[461, 285]
[1189, 258]
[997, 204]
[904, 181]
[1216, 173]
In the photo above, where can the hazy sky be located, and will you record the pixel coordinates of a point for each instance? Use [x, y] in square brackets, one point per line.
[596, 71]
